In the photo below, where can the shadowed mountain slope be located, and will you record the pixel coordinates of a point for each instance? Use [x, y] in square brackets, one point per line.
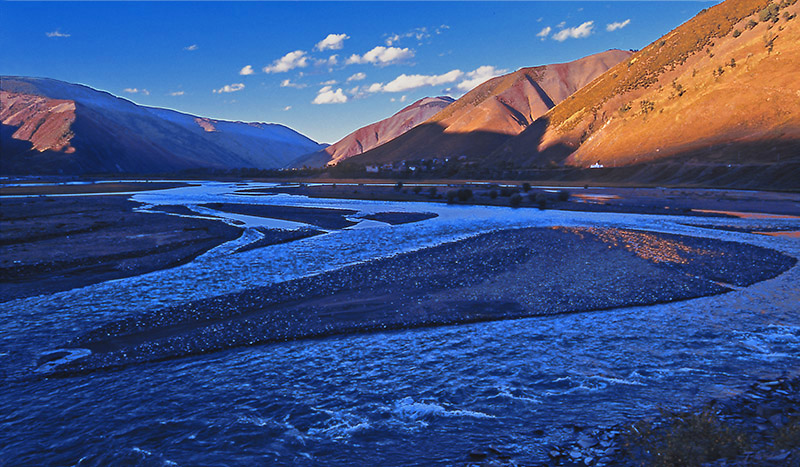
[50, 126]
[488, 115]
[720, 89]
[378, 133]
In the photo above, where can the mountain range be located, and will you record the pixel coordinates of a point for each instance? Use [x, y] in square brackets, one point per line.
[716, 98]
[719, 91]
[52, 127]
[376, 134]
[494, 111]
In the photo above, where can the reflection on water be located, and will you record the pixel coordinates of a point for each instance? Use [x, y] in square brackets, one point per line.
[418, 397]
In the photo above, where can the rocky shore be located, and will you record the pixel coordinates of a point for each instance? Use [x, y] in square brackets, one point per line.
[760, 427]
[500, 275]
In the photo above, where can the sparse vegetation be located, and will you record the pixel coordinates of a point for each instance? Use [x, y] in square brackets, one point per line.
[645, 68]
[646, 106]
[541, 200]
[685, 439]
[769, 41]
[679, 89]
[769, 13]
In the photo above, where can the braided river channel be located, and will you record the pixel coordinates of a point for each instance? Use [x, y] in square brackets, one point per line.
[423, 396]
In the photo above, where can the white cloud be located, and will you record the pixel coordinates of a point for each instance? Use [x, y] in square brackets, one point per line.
[177, 93]
[287, 108]
[290, 61]
[374, 87]
[419, 34]
[332, 42]
[406, 82]
[57, 33]
[479, 76]
[229, 88]
[247, 70]
[357, 77]
[191, 48]
[331, 61]
[137, 91]
[381, 55]
[330, 82]
[327, 95]
[287, 83]
[617, 25]
[544, 32]
[584, 30]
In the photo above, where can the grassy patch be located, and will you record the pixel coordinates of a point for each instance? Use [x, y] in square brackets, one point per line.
[685, 439]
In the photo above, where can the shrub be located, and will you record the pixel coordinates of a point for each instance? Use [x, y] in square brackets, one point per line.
[685, 439]
[750, 24]
[505, 191]
[452, 195]
[563, 195]
[526, 187]
[515, 200]
[464, 194]
[493, 194]
[432, 190]
[769, 13]
[416, 190]
[541, 200]
[737, 33]
[732, 64]
[398, 186]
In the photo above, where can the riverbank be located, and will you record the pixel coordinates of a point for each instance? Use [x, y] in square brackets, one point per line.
[52, 244]
[760, 426]
[634, 200]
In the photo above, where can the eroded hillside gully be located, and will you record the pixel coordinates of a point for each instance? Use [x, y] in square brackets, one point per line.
[395, 333]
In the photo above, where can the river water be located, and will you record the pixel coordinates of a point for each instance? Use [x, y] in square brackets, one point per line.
[415, 397]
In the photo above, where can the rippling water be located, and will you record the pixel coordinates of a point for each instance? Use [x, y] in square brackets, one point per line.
[418, 397]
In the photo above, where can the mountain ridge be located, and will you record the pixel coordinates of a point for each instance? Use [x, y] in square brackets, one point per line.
[375, 134]
[51, 126]
[494, 111]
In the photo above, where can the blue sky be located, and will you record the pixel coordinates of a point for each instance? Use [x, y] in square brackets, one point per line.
[322, 68]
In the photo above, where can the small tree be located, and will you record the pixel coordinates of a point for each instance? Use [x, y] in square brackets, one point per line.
[526, 187]
[398, 186]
